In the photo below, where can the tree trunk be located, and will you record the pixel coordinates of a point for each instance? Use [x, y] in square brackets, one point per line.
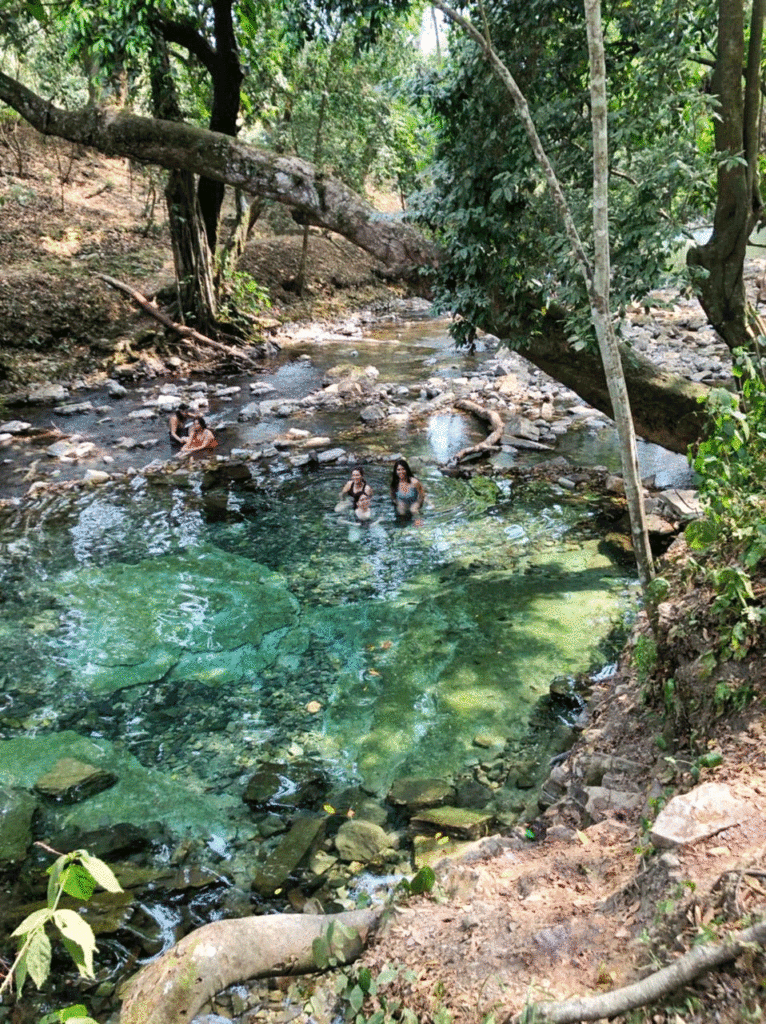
[172, 988]
[599, 298]
[717, 265]
[192, 256]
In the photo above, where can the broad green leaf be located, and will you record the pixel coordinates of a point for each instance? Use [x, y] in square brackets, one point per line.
[36, 919]
[78, 882]
[101, 872]
[76, 929]
[38, 958]
[81, 958]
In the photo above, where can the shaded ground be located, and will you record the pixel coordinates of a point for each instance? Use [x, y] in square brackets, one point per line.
[577, 912]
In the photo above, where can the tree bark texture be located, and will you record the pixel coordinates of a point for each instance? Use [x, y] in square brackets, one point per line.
[719, 262]
[172, 988]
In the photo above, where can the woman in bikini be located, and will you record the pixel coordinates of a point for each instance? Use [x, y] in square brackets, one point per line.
[406, 490]
[358, 492]
[201, 438]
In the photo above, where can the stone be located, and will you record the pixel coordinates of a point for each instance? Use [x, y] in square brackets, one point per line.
[47, 393]
[372, 414]
[361, 841]
[458, 822]
[14, 427]
[70, 781]
[251, 411]
[73, 409]
[306, 833]
[683, 504]
[601, 802]
[332, 455]
[415, 793]
[96, 476]
[17, 809]
[278, 785]
[704, 811]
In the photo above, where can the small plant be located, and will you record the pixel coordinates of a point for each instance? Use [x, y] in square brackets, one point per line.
[76, 874]
[645, 656]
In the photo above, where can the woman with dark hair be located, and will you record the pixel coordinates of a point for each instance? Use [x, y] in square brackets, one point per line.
[406, 490]
[357, 492]
[200, 437]
[178, 424]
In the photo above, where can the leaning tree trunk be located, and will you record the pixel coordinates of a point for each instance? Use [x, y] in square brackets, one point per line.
[717, 266]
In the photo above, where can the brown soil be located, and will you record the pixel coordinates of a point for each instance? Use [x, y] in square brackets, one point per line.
[68, 214]
[569, 915]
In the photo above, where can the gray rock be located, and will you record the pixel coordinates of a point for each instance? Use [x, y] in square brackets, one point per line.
[305, 834]
[73, 408]
[331, 455]
[360, 840]
[372, 414]
[415, 793]
[702, 812]
[17, 808]
[14, 427]
[47, 393]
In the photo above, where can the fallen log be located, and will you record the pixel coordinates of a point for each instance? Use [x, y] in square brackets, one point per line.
[492, 441]
[187, 334]
[174, 987]
[649, 990]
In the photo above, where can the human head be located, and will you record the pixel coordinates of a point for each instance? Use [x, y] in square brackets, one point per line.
[357, 475]
[395, 473]
[201, 421]
[183, 408]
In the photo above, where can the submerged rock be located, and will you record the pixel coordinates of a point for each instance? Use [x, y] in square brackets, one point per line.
[17, 809]
[415, 793]
[70, 781]
[305, 835]
[362, 841]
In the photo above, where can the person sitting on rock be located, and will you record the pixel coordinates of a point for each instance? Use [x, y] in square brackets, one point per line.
[357, 492]
[178, 425]
[201, 438]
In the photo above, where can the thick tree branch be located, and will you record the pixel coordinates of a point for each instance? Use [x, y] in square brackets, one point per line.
[322, 201]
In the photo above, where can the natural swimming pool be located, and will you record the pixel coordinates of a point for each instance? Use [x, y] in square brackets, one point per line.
[181, 636]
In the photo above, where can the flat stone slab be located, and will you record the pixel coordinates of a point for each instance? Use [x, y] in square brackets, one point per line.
[459, 822]
[71, 780]
[415, 793]
[14, 427]
[305, 833]
[702, 812]
[684, 504]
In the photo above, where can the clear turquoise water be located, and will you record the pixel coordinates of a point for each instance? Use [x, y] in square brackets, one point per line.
[182, 637]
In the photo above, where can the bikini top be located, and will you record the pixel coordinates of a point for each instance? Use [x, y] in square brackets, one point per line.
[409, 495]
[357, 495]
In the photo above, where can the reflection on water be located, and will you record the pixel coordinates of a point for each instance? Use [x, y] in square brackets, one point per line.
[187, 634]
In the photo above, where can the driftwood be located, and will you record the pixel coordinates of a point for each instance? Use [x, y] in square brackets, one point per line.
[175, 986]
[192, 338]
[657, 985]
[492, 441]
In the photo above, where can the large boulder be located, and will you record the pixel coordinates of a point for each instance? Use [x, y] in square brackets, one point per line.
[70, 781]
[17, 809]
[362, 841]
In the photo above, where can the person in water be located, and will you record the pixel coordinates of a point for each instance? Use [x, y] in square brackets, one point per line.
[357, 492]
[407, 491]
[200, 437]
[178, 424]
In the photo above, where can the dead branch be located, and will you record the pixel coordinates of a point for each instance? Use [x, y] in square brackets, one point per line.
[186, 334]
[492, 441]
[697, 961]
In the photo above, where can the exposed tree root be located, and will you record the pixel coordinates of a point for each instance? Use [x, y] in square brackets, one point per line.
[188, 335]
[657, 985]
[172, 988]
[492, 441]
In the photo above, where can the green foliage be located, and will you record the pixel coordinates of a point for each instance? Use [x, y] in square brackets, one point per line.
[363, 998]
[645, 656]
[76, 874]
[490, 205]
[420, 883]
[730, 537]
